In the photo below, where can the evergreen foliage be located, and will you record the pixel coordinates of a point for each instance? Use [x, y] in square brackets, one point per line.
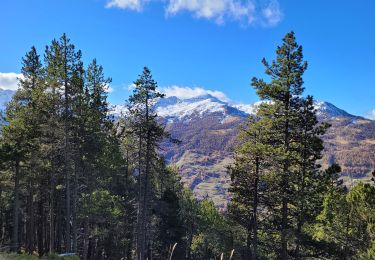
[279, 190]
[75, 180]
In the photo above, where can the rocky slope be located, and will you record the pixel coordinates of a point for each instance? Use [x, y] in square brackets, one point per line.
[208, 127]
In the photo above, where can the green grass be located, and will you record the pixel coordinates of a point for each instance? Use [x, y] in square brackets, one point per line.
[14, 256]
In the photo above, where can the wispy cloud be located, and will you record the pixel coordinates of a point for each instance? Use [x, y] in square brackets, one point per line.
[244, 11]
[217, 10]
[371, 114]
[108, 88]
[272, 14]
[9, 80]
[191, 92]
[135, 5]
[130, 87]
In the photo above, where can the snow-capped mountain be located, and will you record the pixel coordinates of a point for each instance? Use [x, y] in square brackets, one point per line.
[207, 126]
[175, 108]
[327, 110]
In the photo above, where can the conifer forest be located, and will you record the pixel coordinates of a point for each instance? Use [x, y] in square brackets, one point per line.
[80, 182]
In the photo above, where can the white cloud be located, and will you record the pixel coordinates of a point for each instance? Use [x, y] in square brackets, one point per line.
[217, 10]
[188, 92]
[272, 14]
[220, 11]
[371, 114]
[9, 80]
[135, 5]
[108, 88]
[130, 87]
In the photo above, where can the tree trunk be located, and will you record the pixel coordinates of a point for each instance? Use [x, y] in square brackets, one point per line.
[284, 242]
[40, 232]
[67, 216]
[30, 225]
[146, 182]
[255, 211]
[346, 244]
[189, 242]
[139, 236]
[59, 224]
[51, 215]
[74, 219]
[67, 165]
[15, 238]
[301, 215]
[284, 222]
[86, 236]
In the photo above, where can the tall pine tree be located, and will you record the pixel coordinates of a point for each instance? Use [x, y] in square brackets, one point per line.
[147, 133]
[276, 171]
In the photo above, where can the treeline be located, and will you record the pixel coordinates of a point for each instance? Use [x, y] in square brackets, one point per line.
[75, 180]
[72, 180]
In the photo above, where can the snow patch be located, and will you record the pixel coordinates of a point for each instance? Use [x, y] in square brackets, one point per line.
[185, 109]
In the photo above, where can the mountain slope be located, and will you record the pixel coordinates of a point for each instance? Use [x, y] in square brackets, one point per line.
[208, 127]
[5, 97]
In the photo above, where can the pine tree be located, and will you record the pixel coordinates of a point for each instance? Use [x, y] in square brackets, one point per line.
[287, 143]
[20, 138]
[309, 182]
[59, 150]
[248, 179]
[345, 224]
[148, 134]
[93, 129]
[169, 224]
[52, 133]
[189, 215]
[33, 89]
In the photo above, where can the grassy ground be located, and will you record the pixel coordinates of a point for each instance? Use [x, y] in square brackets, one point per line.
[6, 256]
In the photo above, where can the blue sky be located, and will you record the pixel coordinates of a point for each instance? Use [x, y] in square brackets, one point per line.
[213, 44]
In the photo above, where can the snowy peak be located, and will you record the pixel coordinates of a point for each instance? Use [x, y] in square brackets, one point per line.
[249, 109]
[204, 97]
[324, 110]
[168, 101]
[176, 108]
[173, 108]
[328, 110]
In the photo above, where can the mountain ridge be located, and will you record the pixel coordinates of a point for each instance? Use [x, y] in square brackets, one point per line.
[180, 108]
[207, 127]
[323, 107]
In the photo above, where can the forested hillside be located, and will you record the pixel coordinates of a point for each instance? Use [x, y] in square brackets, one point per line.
[76, 180]
[208, 136]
